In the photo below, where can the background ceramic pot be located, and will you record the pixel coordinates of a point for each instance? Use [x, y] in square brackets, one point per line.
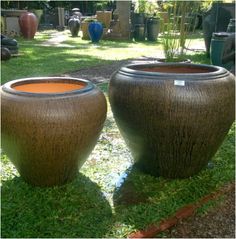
[95, 30]
[153, 28]
[173, 116]
[28, 25]
[50, 126]
[5, 54]
[74, 26]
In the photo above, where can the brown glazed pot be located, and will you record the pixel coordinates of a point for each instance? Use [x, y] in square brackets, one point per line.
[172, 116]
[50, 125]
[28, 25]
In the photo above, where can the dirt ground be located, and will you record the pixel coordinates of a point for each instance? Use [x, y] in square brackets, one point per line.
[219, 222]
[102, 73]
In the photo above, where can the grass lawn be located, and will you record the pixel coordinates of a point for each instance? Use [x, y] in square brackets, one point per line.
[108, 198]
[39, 60]
[75, 53]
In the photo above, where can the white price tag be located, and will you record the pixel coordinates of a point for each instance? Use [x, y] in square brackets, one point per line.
[179, 82]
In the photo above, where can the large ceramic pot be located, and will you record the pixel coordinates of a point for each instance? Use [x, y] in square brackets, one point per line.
[95, 30]
[50, 126]
[231, 26]
[28, 25]
[74, 26]
[216, 19]
[172, 116]
[153, 28]
[139, 32]
[84, 29]
[5, 54]
[218, 44]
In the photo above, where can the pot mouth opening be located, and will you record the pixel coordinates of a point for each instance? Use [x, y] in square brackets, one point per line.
[174, 69]
[47, 86]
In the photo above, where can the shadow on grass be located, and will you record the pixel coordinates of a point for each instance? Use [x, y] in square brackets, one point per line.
[45, 61]
[141, 200]
[77, 209]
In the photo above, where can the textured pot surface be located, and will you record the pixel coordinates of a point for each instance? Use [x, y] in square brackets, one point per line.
[50, 126]
[28, 25]
[172, 116]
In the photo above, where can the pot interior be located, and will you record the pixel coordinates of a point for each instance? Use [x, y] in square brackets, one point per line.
[49, 87]
[178, 69]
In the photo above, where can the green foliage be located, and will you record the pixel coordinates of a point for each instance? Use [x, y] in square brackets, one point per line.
[206, 5]
[146, 6]
[180, 22]
[89, 19]
[101, 5]
[67, 211]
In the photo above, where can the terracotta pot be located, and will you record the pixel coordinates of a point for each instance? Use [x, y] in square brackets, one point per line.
[50, 125]
[28, 25]
[173, 116]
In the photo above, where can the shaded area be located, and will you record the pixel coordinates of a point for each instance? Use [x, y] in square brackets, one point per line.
[126, 193]
[77, 209]
[52, 58]
[141, 200]
[218, 222]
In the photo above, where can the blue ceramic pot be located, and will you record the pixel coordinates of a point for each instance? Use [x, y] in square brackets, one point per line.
[95, 31]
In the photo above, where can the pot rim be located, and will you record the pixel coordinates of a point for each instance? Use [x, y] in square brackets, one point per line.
[8, 87]
[217, 71]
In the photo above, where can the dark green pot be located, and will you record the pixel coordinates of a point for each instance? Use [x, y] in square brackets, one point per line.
[139, 32]
[153, 28]
[231, 26]
[218, 42]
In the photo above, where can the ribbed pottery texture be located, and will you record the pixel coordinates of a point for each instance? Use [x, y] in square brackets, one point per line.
[173, 116]
[48, 136]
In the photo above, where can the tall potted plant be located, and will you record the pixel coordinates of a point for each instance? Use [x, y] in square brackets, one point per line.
[176, 29]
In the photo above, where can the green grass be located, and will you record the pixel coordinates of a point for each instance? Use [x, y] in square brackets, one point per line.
[38, 60]
[99, 202]
[35, 59]
[93, 205]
